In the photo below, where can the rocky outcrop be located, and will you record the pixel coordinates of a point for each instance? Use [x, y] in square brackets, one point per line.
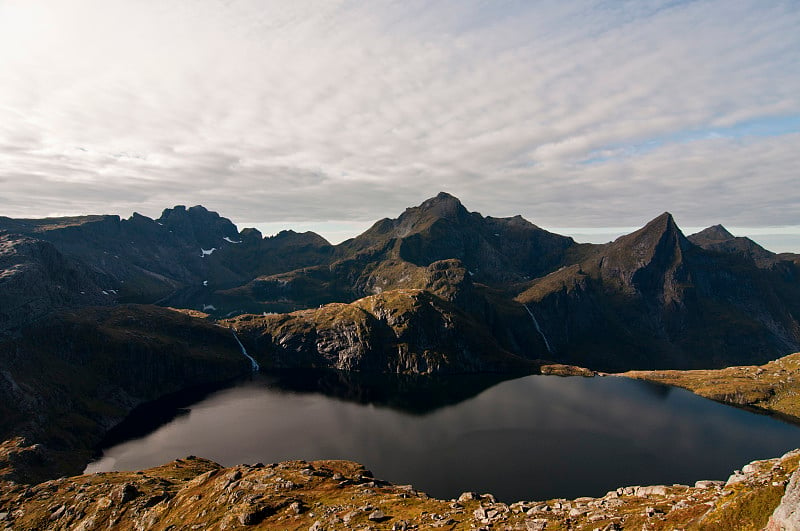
[401, 331]
[787, 515]
[327, 495]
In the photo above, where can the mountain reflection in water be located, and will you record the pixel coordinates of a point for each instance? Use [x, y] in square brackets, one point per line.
[531, 437]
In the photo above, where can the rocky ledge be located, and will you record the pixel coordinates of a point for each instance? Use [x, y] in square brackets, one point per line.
[196, 493]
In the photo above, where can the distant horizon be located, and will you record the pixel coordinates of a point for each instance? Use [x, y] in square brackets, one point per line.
[778, 239]
[784, 239]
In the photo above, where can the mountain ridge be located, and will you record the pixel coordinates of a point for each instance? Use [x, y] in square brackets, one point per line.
[540, 295]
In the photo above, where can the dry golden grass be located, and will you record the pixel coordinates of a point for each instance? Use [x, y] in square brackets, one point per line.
[773, 387]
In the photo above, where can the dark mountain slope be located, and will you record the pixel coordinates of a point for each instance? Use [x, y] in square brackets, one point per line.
[178, 259]
[71, 377]
[394, 254]
[448, 295]
[36, 279]
[717, 238]
[494, 250]
[654, 299]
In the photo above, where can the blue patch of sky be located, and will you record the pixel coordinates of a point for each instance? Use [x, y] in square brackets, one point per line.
[757, 127]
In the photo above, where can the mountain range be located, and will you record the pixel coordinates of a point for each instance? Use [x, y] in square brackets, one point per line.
[436, 282]
[99, 315]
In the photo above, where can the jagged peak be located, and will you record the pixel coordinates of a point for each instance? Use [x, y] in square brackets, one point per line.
[662, 224]
[715, 233]
[663, 219]
[645, 240]
[198, 223]
[196, 210]
[717, 238]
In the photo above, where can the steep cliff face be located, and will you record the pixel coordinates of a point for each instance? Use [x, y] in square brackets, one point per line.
[197, 225]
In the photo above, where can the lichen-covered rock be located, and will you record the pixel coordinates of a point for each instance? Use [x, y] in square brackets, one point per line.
[787, 515]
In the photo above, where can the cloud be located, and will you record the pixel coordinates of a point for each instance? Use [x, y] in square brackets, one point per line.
[269, 111]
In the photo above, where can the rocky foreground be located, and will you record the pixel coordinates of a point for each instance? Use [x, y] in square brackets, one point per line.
[771, 388]
[196, 493]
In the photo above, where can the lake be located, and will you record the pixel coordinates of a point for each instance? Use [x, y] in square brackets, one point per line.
[527, 438]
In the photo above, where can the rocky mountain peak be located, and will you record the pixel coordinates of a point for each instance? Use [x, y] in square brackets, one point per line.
[300, 238]
[251, 234]
[648, 260]
[198, 224]
[714, 233]
[660, 235]
[718, 239]
[663, 223]
[443, 205]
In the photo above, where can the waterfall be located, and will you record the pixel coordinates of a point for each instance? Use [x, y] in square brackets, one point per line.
[253, 362]
[538, 329]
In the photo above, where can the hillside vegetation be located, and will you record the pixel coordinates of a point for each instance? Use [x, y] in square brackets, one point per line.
[773, 387]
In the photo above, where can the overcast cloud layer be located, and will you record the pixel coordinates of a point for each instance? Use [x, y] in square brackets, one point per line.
[573, 113]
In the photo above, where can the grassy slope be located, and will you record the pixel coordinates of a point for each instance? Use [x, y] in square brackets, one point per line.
[773, 387]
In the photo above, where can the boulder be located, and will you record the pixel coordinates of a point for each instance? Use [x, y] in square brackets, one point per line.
[787, 515]
[708, 484]
[467, 496]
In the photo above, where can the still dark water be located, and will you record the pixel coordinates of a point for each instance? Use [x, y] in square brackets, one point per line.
[535, 437]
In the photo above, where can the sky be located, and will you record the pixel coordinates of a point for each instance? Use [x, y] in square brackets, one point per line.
[329, 114]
